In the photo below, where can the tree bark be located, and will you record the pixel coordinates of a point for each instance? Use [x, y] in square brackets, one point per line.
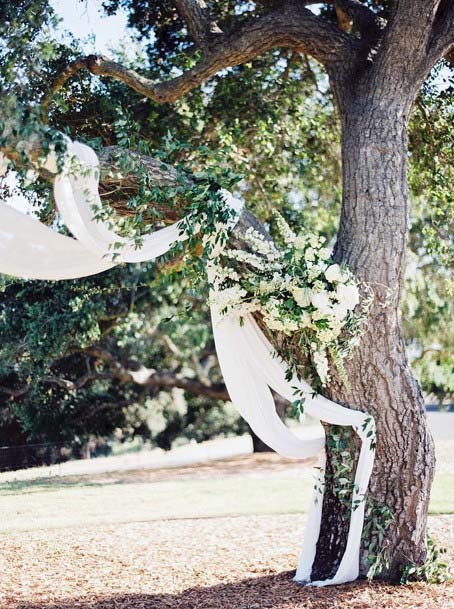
[372, 240]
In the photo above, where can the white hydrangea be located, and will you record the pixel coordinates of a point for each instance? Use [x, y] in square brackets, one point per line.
[327, 335]
[321, 301]
[348, 295]
[290, 325]
[324, 253]
[315, 271]
[309, 255]
[334, 273]
[302, 296]
[300, 242]
[339, 310]
[314, 240]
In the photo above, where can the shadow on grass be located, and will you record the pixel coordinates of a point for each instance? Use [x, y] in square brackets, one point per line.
[271, 591]
[25, 487]
[262, 463]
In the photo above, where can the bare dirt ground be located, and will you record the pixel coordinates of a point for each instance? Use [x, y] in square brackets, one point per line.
[220, 562]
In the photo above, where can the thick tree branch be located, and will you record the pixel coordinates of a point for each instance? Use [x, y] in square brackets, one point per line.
[144, 377]
[288, 27]
[404, 44]
[441, 42]
[78, 383]
[201, 26]
[148, 377]
[14, 393]
[113, 176]
[153, 379]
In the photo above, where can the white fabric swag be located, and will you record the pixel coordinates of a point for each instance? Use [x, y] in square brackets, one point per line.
[249, 364]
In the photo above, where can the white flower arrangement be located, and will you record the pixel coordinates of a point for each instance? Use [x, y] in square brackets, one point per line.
[297, 290]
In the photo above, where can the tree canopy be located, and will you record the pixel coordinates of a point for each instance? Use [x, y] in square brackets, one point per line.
[130, 351]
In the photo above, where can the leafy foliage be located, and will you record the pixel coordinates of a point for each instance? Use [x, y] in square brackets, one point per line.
[434, 571]
[271, 121]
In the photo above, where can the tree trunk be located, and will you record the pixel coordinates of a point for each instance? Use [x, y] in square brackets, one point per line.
[372, 240]
[258, 445]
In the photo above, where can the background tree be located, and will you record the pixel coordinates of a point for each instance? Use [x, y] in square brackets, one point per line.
[376, 56]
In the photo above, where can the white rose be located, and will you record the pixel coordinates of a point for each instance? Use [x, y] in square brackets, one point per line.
[348, 295]
[302, 296]
[333, 273]
[340, 310]
[321, 301]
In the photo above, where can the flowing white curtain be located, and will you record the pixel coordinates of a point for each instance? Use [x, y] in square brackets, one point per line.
[249, 364]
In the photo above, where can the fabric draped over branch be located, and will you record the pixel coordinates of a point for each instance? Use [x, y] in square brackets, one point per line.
[248, 361]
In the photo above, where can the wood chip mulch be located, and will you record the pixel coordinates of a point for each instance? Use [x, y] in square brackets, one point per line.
[241, 562]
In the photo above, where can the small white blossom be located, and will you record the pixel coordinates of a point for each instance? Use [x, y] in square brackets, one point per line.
[321, 365]
[300, 242]
[314, 240]
[324, 253]
[309, 255]
[284, 229]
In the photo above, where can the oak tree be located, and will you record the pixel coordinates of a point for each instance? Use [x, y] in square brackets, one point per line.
[376, 57]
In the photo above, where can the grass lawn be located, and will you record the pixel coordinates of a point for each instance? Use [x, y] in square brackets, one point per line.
[223, 535]
[190, 492]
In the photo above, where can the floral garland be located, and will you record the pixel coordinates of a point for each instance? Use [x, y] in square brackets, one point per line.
[298, 290]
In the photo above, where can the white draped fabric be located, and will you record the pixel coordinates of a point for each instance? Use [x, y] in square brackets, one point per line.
[249, 364]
